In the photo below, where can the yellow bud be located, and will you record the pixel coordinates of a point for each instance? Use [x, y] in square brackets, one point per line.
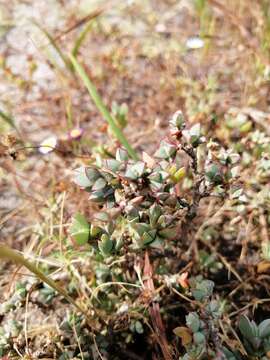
[179, 174]
[172, 169]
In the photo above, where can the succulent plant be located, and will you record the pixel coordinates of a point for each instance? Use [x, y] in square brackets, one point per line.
[146, 204]
[256, 338]
[203, 330]
[139, 199]
[201, 337]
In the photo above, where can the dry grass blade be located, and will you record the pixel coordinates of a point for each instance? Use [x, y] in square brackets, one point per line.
[93, 15]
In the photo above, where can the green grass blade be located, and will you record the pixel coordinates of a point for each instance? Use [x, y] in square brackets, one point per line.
[102, 108]
[53, 43]
[9, 120]
[7, 253]
[81, 38]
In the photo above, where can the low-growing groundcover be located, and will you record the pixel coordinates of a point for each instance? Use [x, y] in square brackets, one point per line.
[177, 249]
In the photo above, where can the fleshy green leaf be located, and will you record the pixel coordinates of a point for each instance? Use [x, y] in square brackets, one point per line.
[121, 155]
[138, 327]
[141, 228]
[112, 164]
[213, 174]
[177, 122]
[98, 196]
[94, 231]
[193, 322]
[195, 133]
[135, 171]
[198, 338]
[80, 229]
[154, 213]
[105, 245]
[99, 184]
[149, 236]
[264, 328]
[203, 290]
[169, 233]
[165, 151]
[158, 243]
[81, 178]
[246, 328]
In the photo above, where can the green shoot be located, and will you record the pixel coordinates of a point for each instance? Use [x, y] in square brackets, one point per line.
[81, 38]
[56, 47]
[9, 120]
[101, 107]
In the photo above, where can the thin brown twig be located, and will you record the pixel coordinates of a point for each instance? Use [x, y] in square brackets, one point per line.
[223, 259]
[228, 321]
[183, 296]
[154, 311]
[253, 304]
[94, 14]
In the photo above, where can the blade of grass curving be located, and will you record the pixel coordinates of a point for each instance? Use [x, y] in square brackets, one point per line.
[81, 38]
[9, 120]
[53, 43]
[101, 107]
[7, 253]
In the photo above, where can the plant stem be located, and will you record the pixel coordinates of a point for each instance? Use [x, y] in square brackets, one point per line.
[101, 107]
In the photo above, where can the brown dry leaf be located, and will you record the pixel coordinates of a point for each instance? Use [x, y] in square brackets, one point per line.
[62, 186]
[103, 128]
[184, 333]
[263, 267]
[183, 280]
[9, 140]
